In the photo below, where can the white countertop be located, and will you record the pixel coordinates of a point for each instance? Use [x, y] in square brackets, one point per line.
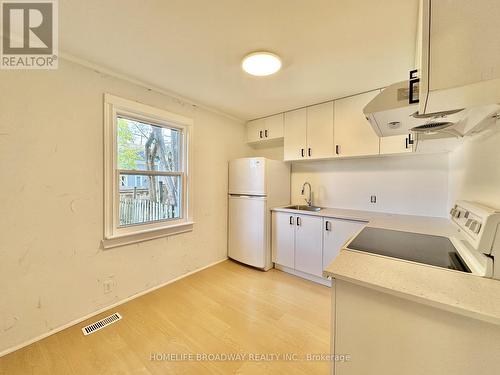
[418, 224]
[453, 291]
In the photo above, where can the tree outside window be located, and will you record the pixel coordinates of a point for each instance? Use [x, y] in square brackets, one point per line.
[146, 154]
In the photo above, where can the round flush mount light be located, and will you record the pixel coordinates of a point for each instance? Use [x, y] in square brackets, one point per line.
[261, 63]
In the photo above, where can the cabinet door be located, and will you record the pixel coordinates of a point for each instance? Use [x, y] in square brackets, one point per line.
[354, 135]
[320, 131]
[395, 144]
[335, 234]
[464, 42]
[273, 126]
[309, 244]
[459, 49]
[295, 134]
[255, 130]
[283, 238]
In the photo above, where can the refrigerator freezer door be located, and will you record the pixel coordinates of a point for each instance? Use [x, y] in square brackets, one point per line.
[247, 176]
[247, 230]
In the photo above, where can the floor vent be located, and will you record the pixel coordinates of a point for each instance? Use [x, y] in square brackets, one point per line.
[91, 328]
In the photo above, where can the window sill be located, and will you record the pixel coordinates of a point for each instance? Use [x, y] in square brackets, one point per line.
[146, 235]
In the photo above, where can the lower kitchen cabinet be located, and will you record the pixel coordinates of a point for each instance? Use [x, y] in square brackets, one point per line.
[283, 235]
[309, 244]
[444, 338]
[298, 242]
[335, 234]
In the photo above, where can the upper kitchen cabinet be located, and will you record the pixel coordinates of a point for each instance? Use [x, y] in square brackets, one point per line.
[354, 135]
[309, 132]
[397, 144]
[273, 126]
[265, 129]
[460, 54]
[295, 133]
[320, 131]
[254, 130]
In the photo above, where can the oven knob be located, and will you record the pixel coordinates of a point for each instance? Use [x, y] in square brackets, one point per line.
[468, 223]
[472, 225]
[466, 215]
[477, 229]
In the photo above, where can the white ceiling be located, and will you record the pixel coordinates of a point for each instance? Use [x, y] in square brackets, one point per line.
[330, 48]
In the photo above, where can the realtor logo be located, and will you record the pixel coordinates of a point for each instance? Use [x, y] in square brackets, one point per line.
[29, 34]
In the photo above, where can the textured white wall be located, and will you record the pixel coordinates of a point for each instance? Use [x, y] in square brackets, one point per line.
[51, 199]
[475, 169]
[412, 184]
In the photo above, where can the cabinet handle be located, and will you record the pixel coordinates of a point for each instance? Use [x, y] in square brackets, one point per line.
[409, 141]
[260, 134]
[302, 152]
[406, 142]
[291, 220]
[299, 222]
[412, 83]
[265, 133]
[328, 226]
[337, 149]
[309, 151]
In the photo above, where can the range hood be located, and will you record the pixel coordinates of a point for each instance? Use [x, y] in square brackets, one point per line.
[390, 114]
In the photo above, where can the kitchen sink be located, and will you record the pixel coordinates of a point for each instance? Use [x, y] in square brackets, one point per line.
[304, 208]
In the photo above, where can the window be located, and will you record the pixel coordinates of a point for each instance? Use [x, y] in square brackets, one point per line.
[147, 184]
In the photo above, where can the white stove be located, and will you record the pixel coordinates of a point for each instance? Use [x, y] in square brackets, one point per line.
[479, 243]
[472, 249]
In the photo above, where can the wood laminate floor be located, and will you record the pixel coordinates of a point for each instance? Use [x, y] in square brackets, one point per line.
[227, 308]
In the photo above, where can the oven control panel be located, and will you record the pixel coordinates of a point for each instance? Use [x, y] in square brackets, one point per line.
[480, 224]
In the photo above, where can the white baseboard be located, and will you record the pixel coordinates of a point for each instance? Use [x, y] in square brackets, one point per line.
[316, 279]
[79, 320]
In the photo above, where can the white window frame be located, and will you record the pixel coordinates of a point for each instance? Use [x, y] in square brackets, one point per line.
[114, 235]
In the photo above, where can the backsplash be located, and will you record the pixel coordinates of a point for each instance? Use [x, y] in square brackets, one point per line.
[475, 169]
[414, 185]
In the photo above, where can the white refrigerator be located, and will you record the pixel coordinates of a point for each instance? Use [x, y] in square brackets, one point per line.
[256, 185]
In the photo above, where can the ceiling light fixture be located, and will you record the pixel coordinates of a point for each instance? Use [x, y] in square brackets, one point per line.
[261, 63]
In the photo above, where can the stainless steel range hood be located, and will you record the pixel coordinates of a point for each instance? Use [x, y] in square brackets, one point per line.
[390, 114]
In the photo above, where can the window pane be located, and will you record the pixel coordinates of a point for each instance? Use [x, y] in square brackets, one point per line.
[147, 147]
[145, 199]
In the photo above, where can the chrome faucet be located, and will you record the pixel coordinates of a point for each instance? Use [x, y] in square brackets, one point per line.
[308, 201]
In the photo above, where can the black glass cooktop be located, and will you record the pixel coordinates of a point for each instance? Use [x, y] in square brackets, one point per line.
[434, 250]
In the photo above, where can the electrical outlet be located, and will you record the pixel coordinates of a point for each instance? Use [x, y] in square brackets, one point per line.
[108, 285]
[373, 199]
